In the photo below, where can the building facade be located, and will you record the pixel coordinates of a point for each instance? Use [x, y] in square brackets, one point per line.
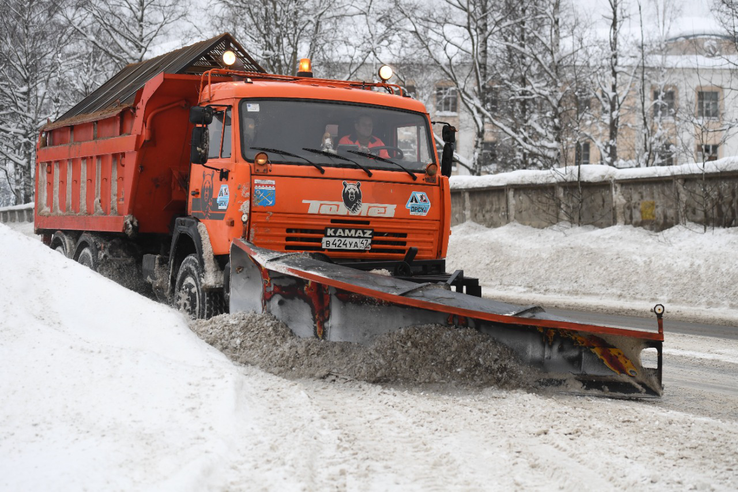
[678, 107]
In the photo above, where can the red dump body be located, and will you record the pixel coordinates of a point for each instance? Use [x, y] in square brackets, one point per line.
[96, 172]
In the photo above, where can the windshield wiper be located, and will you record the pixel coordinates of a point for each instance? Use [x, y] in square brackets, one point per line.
[331, 154]
[290, 154]
[372, 156]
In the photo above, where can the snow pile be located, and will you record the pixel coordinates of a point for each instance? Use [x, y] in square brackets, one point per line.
[96, 378]
[416, 355]
[622, 269]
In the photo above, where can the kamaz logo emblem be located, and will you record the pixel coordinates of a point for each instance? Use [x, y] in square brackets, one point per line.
[342, 232]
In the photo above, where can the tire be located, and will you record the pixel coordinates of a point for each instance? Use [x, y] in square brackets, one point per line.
[190, 297]
[88, 258]
[87, 252]
[62, 243]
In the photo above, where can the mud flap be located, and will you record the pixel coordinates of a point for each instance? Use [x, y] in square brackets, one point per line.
[338, 303]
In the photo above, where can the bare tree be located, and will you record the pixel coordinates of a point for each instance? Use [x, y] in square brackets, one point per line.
[613, 85]
[657, 99]
[708, 125]
[726, 12]
[126, 30]
[280, 32]
[457, 38]
[32, 40]
[510, 63]
[367, 35]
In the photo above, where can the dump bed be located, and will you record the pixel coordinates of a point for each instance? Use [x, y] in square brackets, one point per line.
[125, 167]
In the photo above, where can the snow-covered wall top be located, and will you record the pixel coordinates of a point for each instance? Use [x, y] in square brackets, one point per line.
[592, 173]
[26, 206]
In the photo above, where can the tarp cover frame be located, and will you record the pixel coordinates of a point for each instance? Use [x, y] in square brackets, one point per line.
[120, 90]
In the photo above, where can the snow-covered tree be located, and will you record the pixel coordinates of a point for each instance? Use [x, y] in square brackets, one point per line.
[509, 64]
[613, 84]
[657, 105]
[726, 12]
[456, 38]
[367, 35]
[536, 81]
[126, 31]
[32, 37]
[278, 33]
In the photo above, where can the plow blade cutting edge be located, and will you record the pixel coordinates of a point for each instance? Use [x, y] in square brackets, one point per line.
[316, 298]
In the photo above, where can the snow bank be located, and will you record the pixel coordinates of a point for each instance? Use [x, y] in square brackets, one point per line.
[103, 389]
[590, 173]
[620, 269]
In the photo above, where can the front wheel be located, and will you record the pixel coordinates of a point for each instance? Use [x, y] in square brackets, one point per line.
[189, 295]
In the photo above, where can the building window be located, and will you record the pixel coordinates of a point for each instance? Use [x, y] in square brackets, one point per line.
[446, 99]
[707, 152]
[663, 104]
[707, 104]
[489, 154]
[582, 153]
[666, 154]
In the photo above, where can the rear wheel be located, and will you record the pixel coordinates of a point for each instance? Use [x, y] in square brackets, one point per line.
[62, 243]
[87, 258]
[87, 252]
[189, 295]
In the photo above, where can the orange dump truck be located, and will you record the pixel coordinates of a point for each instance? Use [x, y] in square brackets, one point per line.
[322, 202]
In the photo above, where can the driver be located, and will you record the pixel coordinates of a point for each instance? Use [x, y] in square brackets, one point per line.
[362, 136]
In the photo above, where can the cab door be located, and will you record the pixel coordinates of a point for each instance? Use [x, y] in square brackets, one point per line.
[210, 183]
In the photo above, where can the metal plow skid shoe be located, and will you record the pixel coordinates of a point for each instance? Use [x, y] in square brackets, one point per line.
[337, 303]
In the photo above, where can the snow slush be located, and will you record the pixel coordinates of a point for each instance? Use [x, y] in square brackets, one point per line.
[428, 354]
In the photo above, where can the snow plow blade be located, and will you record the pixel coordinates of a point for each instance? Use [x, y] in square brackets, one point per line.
[316, 298]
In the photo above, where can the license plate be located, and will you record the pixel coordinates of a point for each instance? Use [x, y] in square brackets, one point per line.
[346, 238]
[347, 243]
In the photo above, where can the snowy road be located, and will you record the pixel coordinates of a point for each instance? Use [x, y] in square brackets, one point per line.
[706, 381]
[702, 378]
[671, 326]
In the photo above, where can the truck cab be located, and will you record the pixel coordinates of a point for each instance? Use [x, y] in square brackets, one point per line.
[280, 164]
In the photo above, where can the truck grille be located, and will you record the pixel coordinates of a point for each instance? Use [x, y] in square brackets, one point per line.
[391, 237]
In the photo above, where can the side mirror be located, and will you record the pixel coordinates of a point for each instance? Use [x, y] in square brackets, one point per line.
[199, 145]
[201, 115]
[449, 137]
[448, 133]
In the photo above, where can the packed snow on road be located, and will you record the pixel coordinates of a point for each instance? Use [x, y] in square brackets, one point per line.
[103, 389]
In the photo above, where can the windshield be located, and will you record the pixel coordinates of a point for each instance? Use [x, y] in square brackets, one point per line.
[335, 134]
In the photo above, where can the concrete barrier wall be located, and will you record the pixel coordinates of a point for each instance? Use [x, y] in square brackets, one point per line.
[654, 203]
[18, 213]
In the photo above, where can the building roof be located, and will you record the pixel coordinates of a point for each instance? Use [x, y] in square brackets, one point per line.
[120, 90]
